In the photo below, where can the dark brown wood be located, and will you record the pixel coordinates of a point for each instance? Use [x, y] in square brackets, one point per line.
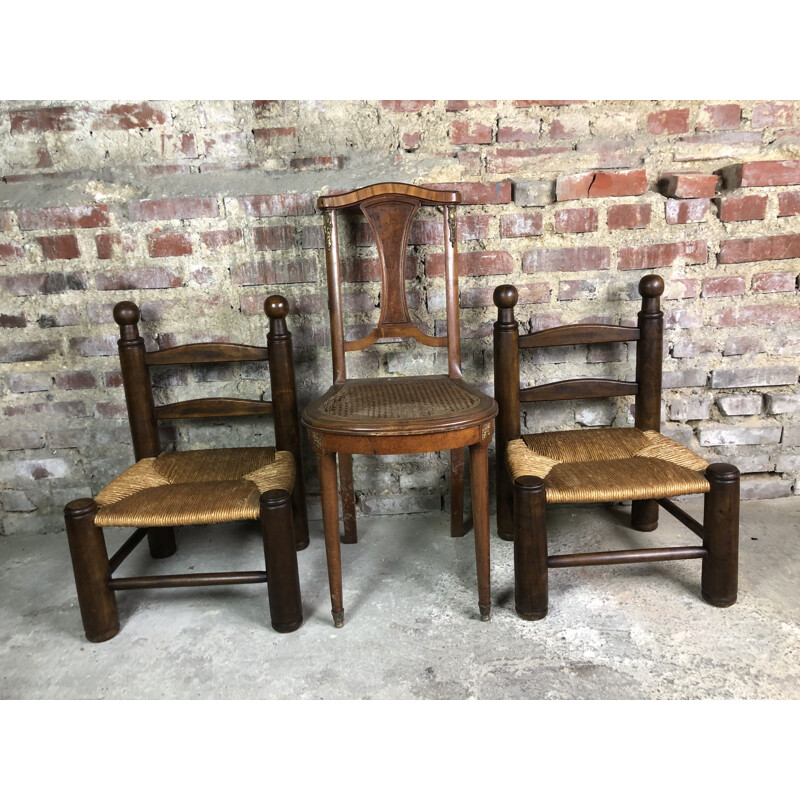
[457, 492]
[280, 552]
[643, 555]
[578, 389]
[644, 515]
[430, 197]
[479, 483]
[583, 333]
[87, 549]
[128, 546]
[348, 496]
[530, 548]
[720, 581]
[679, 514]
[326, 466]
[187, 580]
[205, 353]
[213, 407]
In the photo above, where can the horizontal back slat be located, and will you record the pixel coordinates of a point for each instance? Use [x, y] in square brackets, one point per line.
[583, 333]
[213, 407]
[425, 196]
[205, 353]
[577, 389]
[394, 331]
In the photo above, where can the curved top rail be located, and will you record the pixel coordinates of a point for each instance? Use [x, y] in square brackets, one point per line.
[429, 197]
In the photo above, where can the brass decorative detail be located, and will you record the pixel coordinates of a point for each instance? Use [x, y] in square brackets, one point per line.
[316, 439]
[327, 224]
[486, 430]
[451, 223]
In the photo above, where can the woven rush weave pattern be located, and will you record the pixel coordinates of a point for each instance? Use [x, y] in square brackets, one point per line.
[400, 399]
[607, 465]
[195, 487]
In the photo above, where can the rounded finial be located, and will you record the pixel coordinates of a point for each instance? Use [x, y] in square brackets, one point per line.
[276, 306]
[126, 313]
[651, 286]
[506, 296]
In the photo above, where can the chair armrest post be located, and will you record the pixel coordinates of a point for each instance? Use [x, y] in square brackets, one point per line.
[649, 354]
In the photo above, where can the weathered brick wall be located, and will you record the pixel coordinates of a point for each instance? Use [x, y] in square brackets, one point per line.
[198, 210]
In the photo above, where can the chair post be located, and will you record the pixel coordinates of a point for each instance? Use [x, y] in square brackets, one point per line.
[530, 547]
[87, 549]
[719, 581]
[506, 392]
[284, 403]
[141, 410]
[649, 362]
[451, 293]
[280, 552]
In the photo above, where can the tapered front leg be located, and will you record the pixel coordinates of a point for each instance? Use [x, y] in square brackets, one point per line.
[457, 492]
[348, 495]
[530, 547]
[479, 472]
[326, 463]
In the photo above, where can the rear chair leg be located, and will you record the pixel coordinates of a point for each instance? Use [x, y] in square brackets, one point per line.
[644, 515]
[326, 466]
[720, 580]
[87, 548]
[457, 492]
[348, 495]
[161, 542]
[479, 479]
[530, 547]
[283, 582]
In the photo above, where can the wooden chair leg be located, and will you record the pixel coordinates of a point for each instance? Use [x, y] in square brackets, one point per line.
[300, 517]
[530, 547]
[505, 498]
[479, 482]
[87, 548]
[161, 542]
[348, 495]
[644, 515]
[457, 492]
[280, 552]
[326, 464]
[720, 579]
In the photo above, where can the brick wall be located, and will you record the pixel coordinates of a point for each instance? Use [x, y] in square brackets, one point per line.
[198, 210]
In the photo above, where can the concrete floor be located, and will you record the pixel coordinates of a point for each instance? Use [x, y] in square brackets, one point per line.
[412, 628]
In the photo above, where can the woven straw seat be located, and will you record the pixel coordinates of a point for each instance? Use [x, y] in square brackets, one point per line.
[195, 487]
[607, 465]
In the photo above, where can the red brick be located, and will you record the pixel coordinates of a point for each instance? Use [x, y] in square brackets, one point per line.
[481, 262]
[577, 290]
[628, 217]
[568, 128]
[470, 160]
[271, 136]
[11, 251]
[725, 286]
[59, 247]
[57, 118]
[300, 270]
[681, 318]
[129, 117]
[687, 185]
[279, 237]
[765, 248]
[34, 283]
[511, 160]
[169, 245]
[215, 240]
[89, 346]
[679, 212]
[618, 184]
[173, 208]
[74, 217]
[739, 209]
[761, 173]
[726, 117]
[466, 132]
[772, 115]
[566, 259]
[112, 379]
[464, 105]
[29, 382]
[759, 315]
[475, 226]
[482, 296]
[513, 225]
[145, 278]
[26, 351]
[742, 345]
[576, 220]
[540, 322]
[573, 187]
[478, 194]
[278, 205]
[76, 379]
[674, 120]
[312, 237]
[5, 221]
[654, 256]
[774, 282]
[13, 321]
[405, 106]
[317, 162]
[111, 410]
[411, 141]
[788, 204]
[509, 133]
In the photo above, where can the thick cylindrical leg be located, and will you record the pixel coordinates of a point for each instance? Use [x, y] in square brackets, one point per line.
[348, 495]
[720, 578]
[326, 463]
[280, 551]
[87, 548]
[161, 542]
[479, 475]
[457, 492]
[530, 547]
[644, 515]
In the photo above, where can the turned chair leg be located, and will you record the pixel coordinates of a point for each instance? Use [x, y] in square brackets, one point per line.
[161, 542]
[457, 492]
[479, 482]
[644, 515]
[348, 495]
[530, 547]
[326, 464]
[87, 548]
[720, 572]
[280, 552]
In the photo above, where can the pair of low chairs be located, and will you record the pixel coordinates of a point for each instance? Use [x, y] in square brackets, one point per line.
[395, 416]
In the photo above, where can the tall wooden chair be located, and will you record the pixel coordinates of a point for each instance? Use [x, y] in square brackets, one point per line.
[397, 415]
[193, 487]
[603, 465]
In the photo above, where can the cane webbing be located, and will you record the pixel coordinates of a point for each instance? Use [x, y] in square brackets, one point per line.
[402, 399]
[607, 465]
[195, 487]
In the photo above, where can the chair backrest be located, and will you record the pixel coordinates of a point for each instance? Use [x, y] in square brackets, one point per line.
[648, 334]
[390, 209]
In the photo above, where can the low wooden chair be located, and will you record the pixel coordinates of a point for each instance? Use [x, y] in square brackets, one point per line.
[193, 487]
[603, 465]
[384, 416]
